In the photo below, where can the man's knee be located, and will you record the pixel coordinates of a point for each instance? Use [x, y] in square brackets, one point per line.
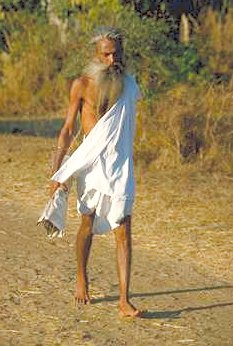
[123, 231]
[86, 224]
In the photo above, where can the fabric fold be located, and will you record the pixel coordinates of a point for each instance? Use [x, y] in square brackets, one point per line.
[53, 217]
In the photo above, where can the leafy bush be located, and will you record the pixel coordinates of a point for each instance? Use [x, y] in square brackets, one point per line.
[30, 74]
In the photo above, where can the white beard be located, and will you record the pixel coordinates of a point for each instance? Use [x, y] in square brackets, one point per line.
[109, 83]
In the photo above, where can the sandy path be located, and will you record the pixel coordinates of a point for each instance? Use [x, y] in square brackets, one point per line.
[182, 261]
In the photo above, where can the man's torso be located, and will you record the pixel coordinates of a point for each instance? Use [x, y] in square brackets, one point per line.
[88, 104]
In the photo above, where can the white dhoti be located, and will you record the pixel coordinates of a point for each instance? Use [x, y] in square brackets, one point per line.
[103, 164]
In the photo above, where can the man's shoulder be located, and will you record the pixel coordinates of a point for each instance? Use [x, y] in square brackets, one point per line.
[81, 81]
[79, 85]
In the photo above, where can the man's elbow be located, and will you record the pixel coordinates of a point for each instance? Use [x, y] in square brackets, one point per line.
[66, 132]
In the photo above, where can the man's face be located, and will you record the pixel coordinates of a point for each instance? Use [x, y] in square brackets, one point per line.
[109, 52]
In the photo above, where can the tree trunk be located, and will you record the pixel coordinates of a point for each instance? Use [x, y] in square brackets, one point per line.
[184, 34]
[55, 20]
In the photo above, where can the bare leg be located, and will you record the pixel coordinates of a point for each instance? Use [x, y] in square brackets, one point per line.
[83, 246]
[123, 241]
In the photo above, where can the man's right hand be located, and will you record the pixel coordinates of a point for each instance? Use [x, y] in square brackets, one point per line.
[53, 187]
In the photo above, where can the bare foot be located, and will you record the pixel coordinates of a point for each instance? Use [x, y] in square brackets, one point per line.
[81, 292]
[128, 310]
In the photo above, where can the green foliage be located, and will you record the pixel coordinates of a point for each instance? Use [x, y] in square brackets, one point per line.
[187, 65]
[30, 5]
[62, 8]
[144, 39]
[182, 118]
[33, 66]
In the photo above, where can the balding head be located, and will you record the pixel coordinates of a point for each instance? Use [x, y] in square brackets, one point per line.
[105, 32]
[109, 46]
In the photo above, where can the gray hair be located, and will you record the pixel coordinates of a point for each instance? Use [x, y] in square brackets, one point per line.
[107, 32]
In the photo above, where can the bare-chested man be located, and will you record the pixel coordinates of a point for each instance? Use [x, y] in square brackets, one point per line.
[91, 96]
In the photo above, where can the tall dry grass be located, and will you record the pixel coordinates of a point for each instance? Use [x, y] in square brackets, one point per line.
[188, 125]
[214, 41]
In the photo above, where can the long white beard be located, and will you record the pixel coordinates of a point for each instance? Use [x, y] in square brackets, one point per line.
[109, 83]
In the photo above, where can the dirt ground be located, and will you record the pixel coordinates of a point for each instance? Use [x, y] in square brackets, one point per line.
[182, 261]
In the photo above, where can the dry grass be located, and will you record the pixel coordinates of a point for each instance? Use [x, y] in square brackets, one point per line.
[188, 124]
[182, 238]
[214, 41]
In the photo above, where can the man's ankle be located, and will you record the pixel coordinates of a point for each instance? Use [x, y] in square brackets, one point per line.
[81, 276]
[124, 301]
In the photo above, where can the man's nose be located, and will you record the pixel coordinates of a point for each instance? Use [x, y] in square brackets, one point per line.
[111, 59]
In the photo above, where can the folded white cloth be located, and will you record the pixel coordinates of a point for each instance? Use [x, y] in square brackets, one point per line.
[54, 215]
[103, 164]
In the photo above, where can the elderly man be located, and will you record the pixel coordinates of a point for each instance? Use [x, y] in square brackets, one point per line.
[105, 98]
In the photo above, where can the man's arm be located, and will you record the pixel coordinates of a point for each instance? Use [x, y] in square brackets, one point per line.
[67, 131]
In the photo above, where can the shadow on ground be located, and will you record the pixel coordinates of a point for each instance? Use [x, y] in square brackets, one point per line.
[174, 314]
[151, 294]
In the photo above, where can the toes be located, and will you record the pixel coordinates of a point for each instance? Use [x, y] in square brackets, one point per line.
[82, 301]
[136, 313]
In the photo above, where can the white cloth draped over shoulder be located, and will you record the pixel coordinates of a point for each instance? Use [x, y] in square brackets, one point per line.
[103, 164]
